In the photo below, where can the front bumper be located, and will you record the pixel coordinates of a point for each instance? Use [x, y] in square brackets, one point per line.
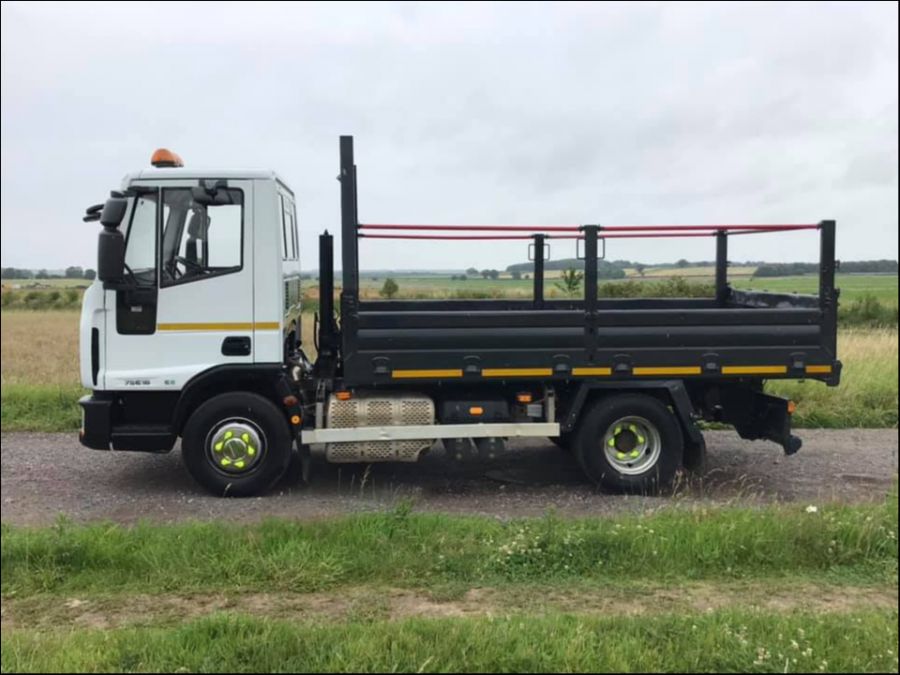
[96, 422]
[105, 425]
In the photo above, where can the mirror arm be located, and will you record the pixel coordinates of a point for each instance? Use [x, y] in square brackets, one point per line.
[92, 213]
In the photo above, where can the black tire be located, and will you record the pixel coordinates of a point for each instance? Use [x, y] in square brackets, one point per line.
[239, 408]
[649, 474]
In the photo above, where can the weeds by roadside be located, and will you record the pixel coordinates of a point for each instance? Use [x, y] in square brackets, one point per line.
[726, 641]
[367, 560]
[408, 549]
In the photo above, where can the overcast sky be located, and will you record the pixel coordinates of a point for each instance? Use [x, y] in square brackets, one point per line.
[507, 113]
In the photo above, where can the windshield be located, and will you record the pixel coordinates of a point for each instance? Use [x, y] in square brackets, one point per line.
[200, 240]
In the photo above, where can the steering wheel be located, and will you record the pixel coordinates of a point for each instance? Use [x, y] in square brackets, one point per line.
[191, 266]
[130, 273]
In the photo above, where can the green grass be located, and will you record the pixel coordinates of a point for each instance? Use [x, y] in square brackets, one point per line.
[866, 300]
[882, 287]
[60, 294]
[35, 407]
[867, 395]
[768, 550]
[54, 283]
[716, 642]
[853, 286]
[867, 312]
[403, 549]
[57, 298]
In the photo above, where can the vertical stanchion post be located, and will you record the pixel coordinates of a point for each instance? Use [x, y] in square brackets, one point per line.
[327, 330]
[590, 268]
[721, 268]
[538, 271]
[827, 292]
[349, 224]
[350, 251]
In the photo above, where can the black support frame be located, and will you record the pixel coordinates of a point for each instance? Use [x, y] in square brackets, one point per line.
[721, 268]
[539, 270]
[378, 337]
[349, 247]
[828, 294]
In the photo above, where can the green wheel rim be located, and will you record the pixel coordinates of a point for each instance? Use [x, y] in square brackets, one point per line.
[632, 445]
[235, 446]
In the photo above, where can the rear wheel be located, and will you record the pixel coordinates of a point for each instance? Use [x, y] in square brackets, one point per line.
[629, 443]
[236, 444]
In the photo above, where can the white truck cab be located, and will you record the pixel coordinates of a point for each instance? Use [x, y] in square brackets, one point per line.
[210, 284]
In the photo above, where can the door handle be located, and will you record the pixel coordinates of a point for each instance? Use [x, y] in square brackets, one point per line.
[236, 345]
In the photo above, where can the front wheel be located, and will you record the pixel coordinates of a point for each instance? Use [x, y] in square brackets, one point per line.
[236, 444]
[630, 443]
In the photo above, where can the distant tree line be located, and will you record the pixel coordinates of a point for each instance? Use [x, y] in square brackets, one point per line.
[616, 268]
[605, 269]
[15, 273]
[858, 267]
[69, 273]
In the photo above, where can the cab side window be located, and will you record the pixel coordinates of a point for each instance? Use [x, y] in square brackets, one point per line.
[289, 245]
[140, 246]
[200, 240]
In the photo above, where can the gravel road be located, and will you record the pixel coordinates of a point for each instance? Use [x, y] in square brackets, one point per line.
[44, 475]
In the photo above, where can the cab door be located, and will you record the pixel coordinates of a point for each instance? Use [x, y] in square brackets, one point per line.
[188, 301]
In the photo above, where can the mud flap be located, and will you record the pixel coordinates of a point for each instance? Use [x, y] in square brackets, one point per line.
[694, 452]
[756, 415]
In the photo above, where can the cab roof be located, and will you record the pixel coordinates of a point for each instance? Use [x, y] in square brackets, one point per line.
[179, 173]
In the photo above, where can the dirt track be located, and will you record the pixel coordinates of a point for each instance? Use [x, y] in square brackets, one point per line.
[44, 475]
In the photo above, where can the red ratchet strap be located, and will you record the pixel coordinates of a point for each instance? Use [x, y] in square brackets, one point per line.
[606, 231]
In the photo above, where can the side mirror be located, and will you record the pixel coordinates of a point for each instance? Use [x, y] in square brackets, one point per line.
[111, 242]
[93, 213]
[113, 212]
[111, 255]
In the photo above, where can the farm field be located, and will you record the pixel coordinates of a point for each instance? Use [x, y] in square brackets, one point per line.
[883, 288]
[853, 286]
[45, 283]
[701, 271]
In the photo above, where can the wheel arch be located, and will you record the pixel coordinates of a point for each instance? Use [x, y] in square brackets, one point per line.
[259, 379]
[671, 392]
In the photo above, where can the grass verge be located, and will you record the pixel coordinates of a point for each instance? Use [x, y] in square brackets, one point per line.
[715, 642]
[28, 407]
[403, 549]
[780, 588]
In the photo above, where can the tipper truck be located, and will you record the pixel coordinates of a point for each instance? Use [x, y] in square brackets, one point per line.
[192, 331]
